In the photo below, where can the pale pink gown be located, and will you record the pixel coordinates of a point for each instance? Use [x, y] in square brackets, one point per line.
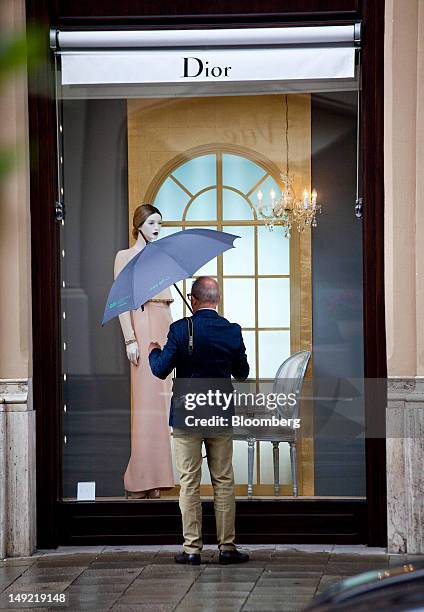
[150, 464]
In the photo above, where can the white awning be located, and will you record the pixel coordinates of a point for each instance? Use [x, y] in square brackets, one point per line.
[207, 56]
[219, 37]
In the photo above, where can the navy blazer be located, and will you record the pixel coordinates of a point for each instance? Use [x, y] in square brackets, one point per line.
[219, 350]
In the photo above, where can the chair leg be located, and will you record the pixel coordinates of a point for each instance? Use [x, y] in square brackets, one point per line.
[276, 459]
[250, 463]
[293, 461]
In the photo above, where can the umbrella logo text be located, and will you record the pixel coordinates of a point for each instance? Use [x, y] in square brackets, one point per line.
[120, 302]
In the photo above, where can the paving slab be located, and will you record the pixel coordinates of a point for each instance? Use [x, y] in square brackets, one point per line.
[358, 549]
[146, 578]
[15, 561]
[127, 551]
[143, 608]
[305, 548]
[65, 560]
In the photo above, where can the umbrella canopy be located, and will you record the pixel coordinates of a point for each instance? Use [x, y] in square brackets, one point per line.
[162, 263]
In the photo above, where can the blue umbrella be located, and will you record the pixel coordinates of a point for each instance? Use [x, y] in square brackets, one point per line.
[163, 263]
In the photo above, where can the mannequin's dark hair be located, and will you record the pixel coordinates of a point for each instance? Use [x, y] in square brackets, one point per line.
[140, 215]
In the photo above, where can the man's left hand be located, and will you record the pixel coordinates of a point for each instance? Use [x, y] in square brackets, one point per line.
[153, 345]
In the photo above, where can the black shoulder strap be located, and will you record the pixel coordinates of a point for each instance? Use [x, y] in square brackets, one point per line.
[190, 336]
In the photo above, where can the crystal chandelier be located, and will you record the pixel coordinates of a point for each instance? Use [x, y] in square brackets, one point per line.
[287, 210]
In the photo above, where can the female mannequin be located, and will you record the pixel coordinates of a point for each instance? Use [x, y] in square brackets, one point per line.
[150, 465]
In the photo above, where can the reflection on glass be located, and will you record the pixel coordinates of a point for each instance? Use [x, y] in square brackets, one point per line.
[274, 302]
[274, 348]
[198, 173]
[97, 391]
[171, 200]
[235, 206]
[240, 172]
[239, 301]
[240, 261]
[274, 251]
[203, 207]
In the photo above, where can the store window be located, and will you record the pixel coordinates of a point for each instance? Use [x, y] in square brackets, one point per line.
[204, 155]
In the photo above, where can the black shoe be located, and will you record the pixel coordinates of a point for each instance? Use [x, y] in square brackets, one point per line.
[187, 559]
[228, 557]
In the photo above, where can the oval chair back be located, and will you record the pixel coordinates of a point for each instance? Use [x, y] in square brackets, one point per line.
[289, 380]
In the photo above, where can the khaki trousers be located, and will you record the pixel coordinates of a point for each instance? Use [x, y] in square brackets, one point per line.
[188, 459]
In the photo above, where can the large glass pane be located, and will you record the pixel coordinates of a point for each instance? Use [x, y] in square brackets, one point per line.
[239, 301]
[240, 260]
[171, 200]
[274, 348]
[273, 251]
[198, 173]
[203, 207]
[235, 206]
[117, 151]
[240, 172]
[274, 302]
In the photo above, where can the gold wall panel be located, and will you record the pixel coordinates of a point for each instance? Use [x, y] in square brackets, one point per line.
[162, 133]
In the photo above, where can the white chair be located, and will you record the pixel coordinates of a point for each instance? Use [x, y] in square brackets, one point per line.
[288, 380]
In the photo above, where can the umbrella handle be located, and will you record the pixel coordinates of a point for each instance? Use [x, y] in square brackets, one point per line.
[184, 300]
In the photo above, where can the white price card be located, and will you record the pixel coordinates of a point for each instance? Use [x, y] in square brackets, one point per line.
[86, 491]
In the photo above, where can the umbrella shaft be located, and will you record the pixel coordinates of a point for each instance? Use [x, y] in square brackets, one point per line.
[184, 300]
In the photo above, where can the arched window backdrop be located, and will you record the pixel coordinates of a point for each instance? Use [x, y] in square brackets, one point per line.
[216, 186]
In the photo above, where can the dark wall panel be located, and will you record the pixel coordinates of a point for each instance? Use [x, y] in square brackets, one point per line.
[337, 284]
[97, 390]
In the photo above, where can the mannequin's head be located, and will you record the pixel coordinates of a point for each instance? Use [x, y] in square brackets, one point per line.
[147, 220]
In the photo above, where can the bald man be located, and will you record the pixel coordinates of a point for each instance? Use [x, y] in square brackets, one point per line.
[218, 353]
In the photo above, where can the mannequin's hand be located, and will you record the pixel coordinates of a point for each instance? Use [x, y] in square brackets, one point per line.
[153, 345]
[133, 353]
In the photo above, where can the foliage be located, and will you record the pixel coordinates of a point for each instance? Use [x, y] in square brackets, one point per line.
[18, 52]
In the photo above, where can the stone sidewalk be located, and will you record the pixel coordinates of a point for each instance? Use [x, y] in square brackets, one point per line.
[284, 578]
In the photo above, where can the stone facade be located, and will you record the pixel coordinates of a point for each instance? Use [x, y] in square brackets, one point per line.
[405, 473]
[404, 272]
[17, 418]
[17, 476]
